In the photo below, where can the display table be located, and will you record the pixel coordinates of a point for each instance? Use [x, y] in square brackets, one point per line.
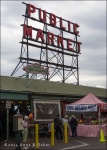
[90, 130]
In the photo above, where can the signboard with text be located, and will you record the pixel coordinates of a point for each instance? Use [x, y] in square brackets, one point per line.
[82, 108]
[37, 35]
[8, 104]
[35, 69]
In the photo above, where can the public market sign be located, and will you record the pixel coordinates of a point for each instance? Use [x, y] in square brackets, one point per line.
[82, 108]
[39, 36]
[35, 69]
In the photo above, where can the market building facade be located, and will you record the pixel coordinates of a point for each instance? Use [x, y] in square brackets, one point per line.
[45, 99]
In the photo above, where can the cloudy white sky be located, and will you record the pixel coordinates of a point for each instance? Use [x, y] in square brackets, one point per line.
[90, 15]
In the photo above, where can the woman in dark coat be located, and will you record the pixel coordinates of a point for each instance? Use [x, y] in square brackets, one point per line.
[73, 125]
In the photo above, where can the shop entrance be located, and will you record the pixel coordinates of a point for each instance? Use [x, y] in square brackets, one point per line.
[24, 109]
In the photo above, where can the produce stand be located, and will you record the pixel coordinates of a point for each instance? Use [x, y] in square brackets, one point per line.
[90, 130]
[88, 126]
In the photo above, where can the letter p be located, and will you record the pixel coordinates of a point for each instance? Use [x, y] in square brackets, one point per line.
[30, 9]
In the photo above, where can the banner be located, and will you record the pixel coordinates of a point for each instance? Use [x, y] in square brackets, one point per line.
[81, 108]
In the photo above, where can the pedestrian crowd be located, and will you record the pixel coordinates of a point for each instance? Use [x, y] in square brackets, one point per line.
[28, 128]
[72, 124]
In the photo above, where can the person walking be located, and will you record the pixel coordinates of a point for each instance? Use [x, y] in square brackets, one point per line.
[31, 124]
[73, 125]
[25, 131]
[58, 128]
[65, 119]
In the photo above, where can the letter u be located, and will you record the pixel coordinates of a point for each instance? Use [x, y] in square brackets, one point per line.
[43, 19]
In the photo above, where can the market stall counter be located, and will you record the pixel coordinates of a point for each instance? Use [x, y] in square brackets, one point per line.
[90, 130]
[89, 126]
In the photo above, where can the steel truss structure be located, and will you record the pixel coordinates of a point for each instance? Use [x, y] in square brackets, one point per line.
[62, 64]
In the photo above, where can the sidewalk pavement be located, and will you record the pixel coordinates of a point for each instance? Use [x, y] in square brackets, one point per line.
[77, 143]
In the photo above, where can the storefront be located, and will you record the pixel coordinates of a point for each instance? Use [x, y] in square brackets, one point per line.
[10, 103]
[31, 95]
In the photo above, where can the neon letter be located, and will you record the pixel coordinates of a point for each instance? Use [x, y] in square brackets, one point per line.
[69, 44]
[60, 41]
[43, 19]
[31, 9]
[61, 25]
[27, 31]
[53, 19]
[40, 35]
[79, 43]
[69, 27]
[50, 38]
[75, 28]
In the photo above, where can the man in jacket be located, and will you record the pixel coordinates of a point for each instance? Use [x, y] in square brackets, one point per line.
[58, 128]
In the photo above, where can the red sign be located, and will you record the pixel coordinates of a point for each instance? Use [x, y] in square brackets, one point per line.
[51, 20]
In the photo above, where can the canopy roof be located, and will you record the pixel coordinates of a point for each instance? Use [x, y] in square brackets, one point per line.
[43, 87]
[89, 99]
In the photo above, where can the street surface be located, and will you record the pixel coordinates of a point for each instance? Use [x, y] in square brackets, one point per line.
[77, 143]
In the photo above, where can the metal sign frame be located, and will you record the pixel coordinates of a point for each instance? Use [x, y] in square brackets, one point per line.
[51, 56]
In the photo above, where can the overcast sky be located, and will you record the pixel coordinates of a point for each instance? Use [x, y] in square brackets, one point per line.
[90, 15]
